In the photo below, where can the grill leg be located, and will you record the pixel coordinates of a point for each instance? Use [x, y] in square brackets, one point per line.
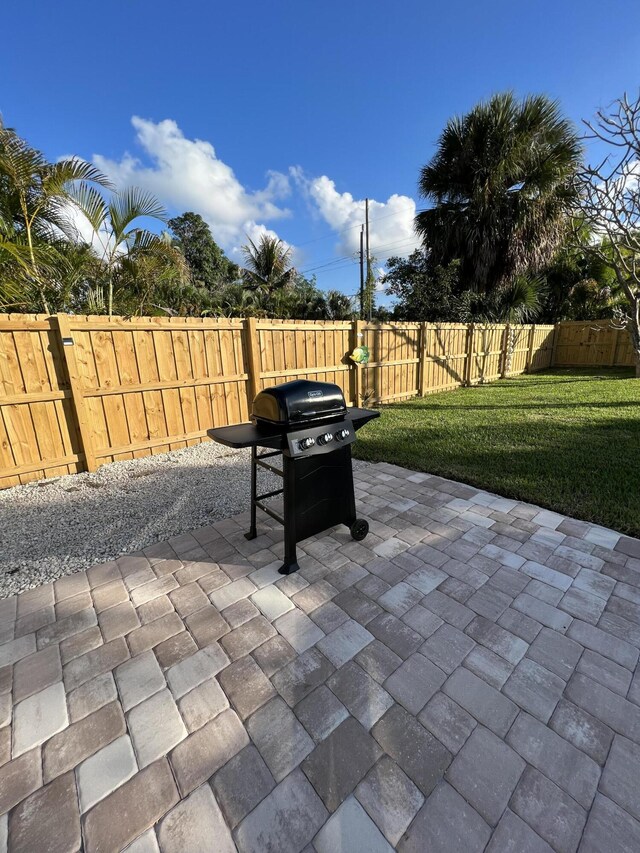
[290, 564]
[254, 494]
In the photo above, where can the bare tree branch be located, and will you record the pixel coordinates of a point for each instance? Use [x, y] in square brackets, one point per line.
[609, 195]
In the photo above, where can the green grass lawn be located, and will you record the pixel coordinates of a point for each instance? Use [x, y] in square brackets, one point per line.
[568, 440]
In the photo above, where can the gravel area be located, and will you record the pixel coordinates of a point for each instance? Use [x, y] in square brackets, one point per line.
[55, 527]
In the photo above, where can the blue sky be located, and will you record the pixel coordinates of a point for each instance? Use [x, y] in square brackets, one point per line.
[285, 115]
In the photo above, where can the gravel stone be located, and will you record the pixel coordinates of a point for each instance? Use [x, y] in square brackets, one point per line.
[52, 528]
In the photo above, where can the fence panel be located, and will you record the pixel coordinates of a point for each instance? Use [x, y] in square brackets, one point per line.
[304, 349]
[38, 434]
[592, 344]
[487, 352]
[150, 385]
[542, 348]
[518, 343]
[446, 353]
[392, 371]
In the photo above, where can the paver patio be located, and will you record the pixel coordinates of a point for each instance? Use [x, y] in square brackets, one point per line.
[465, 679]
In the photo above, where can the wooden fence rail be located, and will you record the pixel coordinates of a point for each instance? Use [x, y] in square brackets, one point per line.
[79, 391]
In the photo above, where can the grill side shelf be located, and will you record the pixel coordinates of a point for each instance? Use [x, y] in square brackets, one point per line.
[248, 435]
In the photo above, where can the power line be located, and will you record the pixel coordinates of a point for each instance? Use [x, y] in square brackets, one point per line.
[352, 227]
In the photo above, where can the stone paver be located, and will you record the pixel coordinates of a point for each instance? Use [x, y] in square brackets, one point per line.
[195, 824]
[415, 682]
[321, 712]
[38, 718]
[336, 765]
[131, 809]
[280, 737]
[422, 757]
[81, 739]
[156, 726]
[554, 815]
[345, 642]
[482, 701]
[298, 678]
[246, 685]
[534, 689]
[208, 749]
[485, 772]
[390, 798]
[298, 630]
[465, 679]
[286, 820]
[241, 784]
[446, 823]
[138, 678]
[189, 673]
[513, 835]
[572, 770]
[350, 828]
[582, 730]
[362, 696]
[620, 776]
[610, 828]
[450, 723]
[48, 820]
[105, 771]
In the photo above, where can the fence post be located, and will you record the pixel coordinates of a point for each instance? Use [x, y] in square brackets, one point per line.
[358, 338]
[470, 349]
[532, 337]
[505, 350]
[67, 348]
[422, 384]
[554, 344]
[614, 347]
[252, 342]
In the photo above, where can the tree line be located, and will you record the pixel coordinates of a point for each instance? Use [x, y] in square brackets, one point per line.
[516, 228]
[70, 243]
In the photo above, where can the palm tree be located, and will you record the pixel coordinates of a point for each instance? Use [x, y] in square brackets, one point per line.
[501, 183]
[116, 235]
[35, 198]
[267, 265]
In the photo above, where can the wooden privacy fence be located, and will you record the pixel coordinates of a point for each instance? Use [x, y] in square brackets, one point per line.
[77, 391]
[594, 344]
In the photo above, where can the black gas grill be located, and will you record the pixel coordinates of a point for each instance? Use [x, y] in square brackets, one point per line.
[310, 426]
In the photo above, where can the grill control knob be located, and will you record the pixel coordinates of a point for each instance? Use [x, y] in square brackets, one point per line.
[342, 434]
[306, 443]
[325, 438]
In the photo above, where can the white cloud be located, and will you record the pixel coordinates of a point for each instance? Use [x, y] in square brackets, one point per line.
[391, 230]
[186, 174]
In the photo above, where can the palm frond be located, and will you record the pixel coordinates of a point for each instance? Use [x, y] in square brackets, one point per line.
[131, 204]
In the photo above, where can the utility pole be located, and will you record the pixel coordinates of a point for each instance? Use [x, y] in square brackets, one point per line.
[361, 273]
[366, 219]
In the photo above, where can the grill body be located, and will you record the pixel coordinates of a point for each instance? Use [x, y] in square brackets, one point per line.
[308, 425]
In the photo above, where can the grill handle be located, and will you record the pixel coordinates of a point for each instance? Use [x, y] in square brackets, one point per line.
[308, 415]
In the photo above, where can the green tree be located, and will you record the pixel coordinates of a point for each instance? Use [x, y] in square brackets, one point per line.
[207, 262]
[579, 286]
[424, 291]
[268, 265]
[339, 306]
[502, 185]
[117, 233]
[36, 198]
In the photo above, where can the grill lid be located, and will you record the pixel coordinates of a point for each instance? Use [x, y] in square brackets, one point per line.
[298, 402]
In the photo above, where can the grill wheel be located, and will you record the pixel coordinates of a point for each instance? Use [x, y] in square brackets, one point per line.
[359, 529]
